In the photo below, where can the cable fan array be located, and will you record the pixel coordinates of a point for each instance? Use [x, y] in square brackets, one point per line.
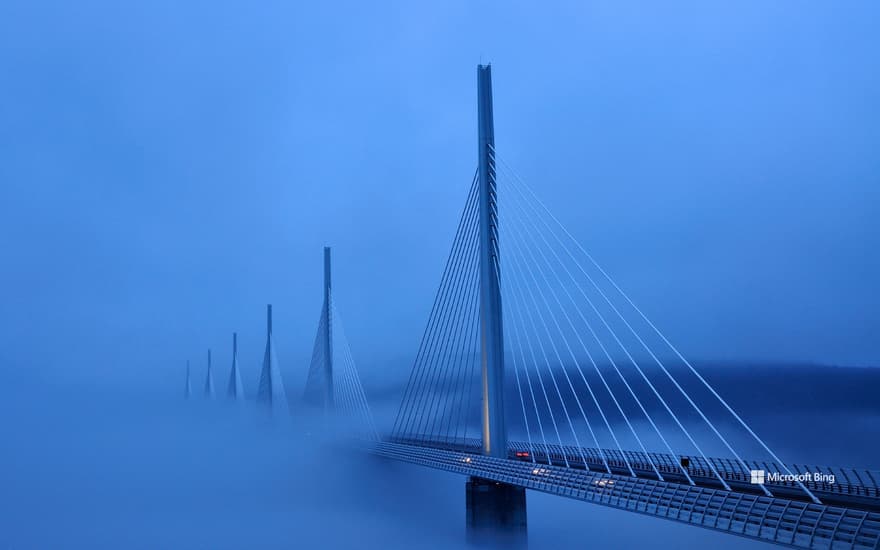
[333, 379]
[439, 402]
[589, 370]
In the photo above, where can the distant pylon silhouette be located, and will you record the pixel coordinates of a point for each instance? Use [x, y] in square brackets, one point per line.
[187, 389]
[271, 390]
[319, 385]
[209, 380]
[235, 390]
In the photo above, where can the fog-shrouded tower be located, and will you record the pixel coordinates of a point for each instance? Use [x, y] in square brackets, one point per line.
[328, 334]
[235, 389]
[271, 389]
[187, 388]
[209, 380]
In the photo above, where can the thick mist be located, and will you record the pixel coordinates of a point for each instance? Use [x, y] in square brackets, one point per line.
[95, 469]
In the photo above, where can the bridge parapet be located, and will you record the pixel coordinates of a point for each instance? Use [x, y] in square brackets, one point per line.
[771, 519]
[854, 487]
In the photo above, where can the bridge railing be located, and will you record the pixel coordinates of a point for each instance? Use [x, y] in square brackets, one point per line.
[847, 481]
[778, 520]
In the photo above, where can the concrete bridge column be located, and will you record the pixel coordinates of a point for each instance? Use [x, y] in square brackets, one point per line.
[496, 514]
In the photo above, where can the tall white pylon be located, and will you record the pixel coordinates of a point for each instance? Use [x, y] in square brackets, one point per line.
[235, 391]
[271, 389]
[209, 380]
[491, 331]
[187, 389]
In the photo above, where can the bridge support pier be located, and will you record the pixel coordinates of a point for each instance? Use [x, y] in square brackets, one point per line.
[496, 514]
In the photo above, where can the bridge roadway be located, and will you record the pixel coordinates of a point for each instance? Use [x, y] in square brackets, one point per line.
[784, 521]
[852, 488]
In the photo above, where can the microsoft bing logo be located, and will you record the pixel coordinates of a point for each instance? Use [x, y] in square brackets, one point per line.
[758, 477]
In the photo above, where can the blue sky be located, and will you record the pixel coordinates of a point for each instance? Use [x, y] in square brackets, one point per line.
[166, 170]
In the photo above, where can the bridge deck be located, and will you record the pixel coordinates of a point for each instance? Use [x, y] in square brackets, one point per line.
[852, 488]
[777, 520]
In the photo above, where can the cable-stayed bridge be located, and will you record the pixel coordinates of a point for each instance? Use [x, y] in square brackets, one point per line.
[537, 371]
